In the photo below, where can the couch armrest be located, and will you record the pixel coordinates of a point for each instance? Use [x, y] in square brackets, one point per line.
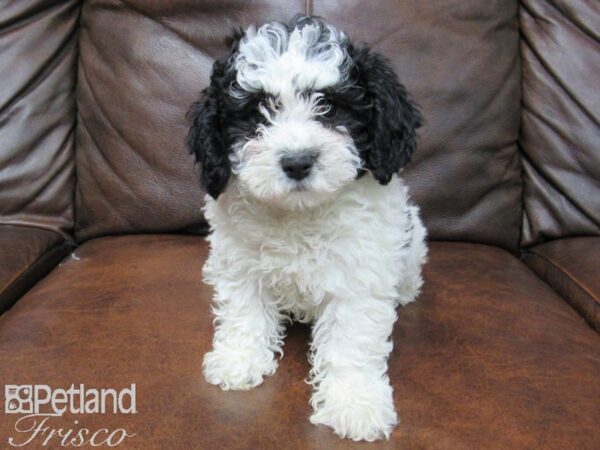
[572, 267]
[26, 255]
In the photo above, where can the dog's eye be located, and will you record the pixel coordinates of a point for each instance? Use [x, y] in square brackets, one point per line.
[327, 106]
[270, 102]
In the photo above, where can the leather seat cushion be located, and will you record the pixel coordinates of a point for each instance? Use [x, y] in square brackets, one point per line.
[488, 356]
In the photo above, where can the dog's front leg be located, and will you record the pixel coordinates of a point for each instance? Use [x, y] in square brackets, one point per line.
[351, 344]
[248, 333]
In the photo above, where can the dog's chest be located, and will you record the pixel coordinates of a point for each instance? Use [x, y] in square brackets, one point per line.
[298, 260]
[304, 258]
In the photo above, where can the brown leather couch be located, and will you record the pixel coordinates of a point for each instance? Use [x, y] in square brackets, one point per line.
[101, 230]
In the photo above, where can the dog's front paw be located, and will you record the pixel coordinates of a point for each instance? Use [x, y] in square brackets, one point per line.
[358, 411]
[238, 369]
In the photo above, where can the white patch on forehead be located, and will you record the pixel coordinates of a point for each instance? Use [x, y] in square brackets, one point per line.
[275, 61]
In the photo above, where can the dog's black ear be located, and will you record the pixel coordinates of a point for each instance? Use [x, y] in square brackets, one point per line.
[394, 119]
[205, 138]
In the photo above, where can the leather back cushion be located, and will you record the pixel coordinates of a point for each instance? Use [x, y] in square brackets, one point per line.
[143, 63]
[561, 119]
[38, 58]
[141, 66]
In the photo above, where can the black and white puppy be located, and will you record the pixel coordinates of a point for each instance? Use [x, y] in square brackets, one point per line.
[300, 136]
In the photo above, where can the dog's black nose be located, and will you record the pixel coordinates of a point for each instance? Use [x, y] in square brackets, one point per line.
[297, 167]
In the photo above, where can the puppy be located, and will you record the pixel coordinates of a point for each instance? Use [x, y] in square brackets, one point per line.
[300, 136]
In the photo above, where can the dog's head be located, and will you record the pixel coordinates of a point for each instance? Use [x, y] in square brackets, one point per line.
[296, 112]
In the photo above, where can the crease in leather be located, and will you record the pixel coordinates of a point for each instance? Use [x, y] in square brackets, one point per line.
[69, 136]
[308, 7]
[172, 30]
[580, 26]
[498, 93]
[562, 84]
[554, 188]
[103, 194]
[66, 235]
[33, 271]
[56, 243]
[565, 271]
[115, 175]
[590, 310]
[140, 156]
[29, 278]
[111, 124]
[545, 174]
[37, 113]
[554, 110]
[28, 17]
[52, 62]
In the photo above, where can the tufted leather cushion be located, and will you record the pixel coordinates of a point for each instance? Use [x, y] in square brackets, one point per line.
[488, 356]
[561, 119]
[38, 54]
[143, 63]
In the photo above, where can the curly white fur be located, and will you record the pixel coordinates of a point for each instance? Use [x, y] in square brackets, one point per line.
[273, 60]
[343, 265]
